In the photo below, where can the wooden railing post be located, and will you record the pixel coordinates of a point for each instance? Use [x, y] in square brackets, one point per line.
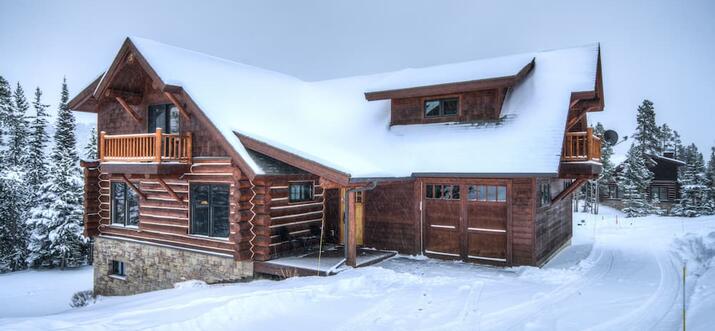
[188, 146]
[589, 143]
[157, 145]
[101, 145]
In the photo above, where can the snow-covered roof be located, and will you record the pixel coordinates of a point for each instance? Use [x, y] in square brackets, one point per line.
[331, 122]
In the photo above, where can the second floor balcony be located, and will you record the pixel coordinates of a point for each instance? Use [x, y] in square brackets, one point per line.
[581, 155]
[145, 153]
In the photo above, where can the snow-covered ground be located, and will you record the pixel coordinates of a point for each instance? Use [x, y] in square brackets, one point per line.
[618, 274]
[37, 293]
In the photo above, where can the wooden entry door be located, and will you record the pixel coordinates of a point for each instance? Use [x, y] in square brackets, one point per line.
[359, 217]
[467, 220]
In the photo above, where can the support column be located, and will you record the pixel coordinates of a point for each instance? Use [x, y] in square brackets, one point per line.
[351, 242]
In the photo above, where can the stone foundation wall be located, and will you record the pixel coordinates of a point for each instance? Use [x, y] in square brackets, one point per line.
[150, 267]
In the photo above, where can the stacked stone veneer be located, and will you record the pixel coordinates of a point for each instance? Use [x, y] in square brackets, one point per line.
[151, 267]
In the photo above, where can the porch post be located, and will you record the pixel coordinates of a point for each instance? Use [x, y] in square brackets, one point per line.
[350, 241]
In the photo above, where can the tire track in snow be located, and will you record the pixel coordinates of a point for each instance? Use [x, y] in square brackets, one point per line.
[516, 316]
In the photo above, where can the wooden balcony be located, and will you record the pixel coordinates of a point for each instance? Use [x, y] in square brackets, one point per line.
[147, 153]
[581, 155]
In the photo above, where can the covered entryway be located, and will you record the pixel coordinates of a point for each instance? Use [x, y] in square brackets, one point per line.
[467, 220]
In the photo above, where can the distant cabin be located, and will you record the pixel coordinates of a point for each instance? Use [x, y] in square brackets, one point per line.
[216, 170]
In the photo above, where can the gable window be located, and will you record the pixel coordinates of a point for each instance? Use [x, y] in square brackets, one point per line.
[165, 117]
[117, 269]
[544, 194]
[443, 192]
[125, 205]
[441, 107]
[300, 191]
[489, 193]
[210, 210]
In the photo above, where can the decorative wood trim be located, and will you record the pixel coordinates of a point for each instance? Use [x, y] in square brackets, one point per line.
[447, 88]
[178, 105]
[169, 189]
[128, 108]
[133, 187]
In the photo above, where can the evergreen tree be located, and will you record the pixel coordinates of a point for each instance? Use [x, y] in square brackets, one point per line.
[694, 192]
[678, 146]
[13, 233]
[90, 151]
[56, 220]
[666, 139]
[710, 177]
[37, 169]
[634, 181]
[6, 106]
[17, 127]
[606, 154]
[647, 134]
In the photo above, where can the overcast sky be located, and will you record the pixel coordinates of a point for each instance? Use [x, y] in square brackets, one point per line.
[660, 50]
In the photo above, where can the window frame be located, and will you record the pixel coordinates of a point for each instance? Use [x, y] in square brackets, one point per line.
[659, 189]
[544, 195]
[430, 190]
[483, 191]
[441, 99]
[210, 233]
[125, 198]
[310, 183]
[117, 269]
[166, 107]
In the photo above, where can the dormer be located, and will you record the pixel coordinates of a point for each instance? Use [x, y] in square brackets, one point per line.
[477, 100]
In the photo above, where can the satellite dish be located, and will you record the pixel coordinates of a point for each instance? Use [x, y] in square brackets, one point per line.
[611, 137]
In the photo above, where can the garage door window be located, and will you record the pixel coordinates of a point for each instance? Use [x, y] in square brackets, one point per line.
[489, 193]
[444, 192]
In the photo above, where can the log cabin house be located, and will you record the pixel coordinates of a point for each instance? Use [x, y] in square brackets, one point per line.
[211, 169]
[664, 189]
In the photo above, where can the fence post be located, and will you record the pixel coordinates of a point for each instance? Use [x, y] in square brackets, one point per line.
[157, 145]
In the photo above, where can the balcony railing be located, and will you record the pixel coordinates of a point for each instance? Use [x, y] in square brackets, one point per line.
[581, 146]
[147, 147]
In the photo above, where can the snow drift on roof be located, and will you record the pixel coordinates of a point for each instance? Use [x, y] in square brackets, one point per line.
[331, 123]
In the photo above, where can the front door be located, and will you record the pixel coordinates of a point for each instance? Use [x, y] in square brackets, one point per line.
[359, 218]
[467, 220]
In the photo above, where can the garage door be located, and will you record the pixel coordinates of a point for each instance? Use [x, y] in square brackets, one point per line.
[467, 221]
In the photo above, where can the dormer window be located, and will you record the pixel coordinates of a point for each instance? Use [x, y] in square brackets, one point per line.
[441, 107]
[165, 117]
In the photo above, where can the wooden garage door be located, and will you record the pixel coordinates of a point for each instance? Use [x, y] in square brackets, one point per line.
[442, 209]
[467, 221]
[487, 216]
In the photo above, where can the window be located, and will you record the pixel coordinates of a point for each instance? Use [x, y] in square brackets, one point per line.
[210, 210]
[444, 192]
[659, 193]
[358, 196]
[125, 205]
[489, 193]
[117, 269]
[165, 117]
[300, 191]
[544, 194]
[441, 107]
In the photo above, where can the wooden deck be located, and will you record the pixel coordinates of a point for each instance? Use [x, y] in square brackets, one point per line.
[307, 264]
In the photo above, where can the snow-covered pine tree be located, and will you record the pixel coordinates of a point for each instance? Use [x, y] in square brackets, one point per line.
[710, 178]
[678, 146]
[694, 192]
[6, 106]
[57, 238]
[36, 163]
[90, 151]
[634, 181]
[666, 139]
[13, 231]
[647, 134]
[18, 130]
[606, 154]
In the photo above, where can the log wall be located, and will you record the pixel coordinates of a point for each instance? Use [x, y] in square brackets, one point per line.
[292, 222]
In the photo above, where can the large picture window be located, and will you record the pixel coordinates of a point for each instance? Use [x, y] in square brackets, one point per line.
[210, 210]
[300, 191]
[125, 205]
[165, 117]
[441, 107]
